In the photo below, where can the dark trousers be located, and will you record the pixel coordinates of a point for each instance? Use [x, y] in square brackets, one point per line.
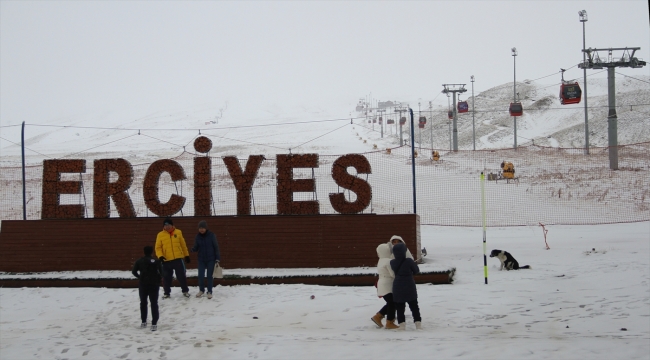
[169, 267]
[415, 310]
[203, 266]
[149, 292]
[389, 309]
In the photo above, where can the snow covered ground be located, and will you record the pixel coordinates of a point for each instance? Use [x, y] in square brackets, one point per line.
[588, 297]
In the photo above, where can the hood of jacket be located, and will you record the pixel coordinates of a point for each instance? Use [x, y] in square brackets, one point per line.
[399, 251]
[383, 251]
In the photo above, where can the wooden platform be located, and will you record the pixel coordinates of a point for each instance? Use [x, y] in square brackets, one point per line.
[433, 277]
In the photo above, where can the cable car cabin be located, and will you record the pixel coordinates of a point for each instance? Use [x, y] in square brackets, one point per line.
[507, 170]
[450, 114]
[463, 107]
[374, 121]
[435, 155]
[516, 109]
[402, 120]
[421, 125]
[369, 121]
[381, 120]
[423, 120]
[390, 121]
[570, 93]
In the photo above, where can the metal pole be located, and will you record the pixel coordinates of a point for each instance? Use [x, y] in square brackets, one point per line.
[514, 95]
[431, 124]
[455, 124]
[485, 268]
[449, 124]
[22, 148]
[584, 77]
[413, 161]
[612, 120]
[473, 126]
[419, 130]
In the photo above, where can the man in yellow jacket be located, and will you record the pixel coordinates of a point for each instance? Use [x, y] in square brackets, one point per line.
[172, 250]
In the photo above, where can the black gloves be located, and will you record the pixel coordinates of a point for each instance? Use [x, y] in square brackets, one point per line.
[162, 258]
[187, 259]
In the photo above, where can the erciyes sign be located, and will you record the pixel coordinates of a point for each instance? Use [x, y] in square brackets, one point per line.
[243, 180]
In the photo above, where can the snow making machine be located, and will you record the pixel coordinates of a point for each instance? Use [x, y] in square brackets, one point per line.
[507, 173]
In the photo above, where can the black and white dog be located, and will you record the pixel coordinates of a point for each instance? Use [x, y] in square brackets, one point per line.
[507, 260]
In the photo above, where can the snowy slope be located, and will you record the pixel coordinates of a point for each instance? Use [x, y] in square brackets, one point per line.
[587, 297]
[236, 130]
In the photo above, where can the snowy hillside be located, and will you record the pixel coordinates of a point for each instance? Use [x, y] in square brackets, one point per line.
[545, 121]
[238, 131]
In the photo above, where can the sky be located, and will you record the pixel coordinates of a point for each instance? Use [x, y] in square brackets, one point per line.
[63, 62]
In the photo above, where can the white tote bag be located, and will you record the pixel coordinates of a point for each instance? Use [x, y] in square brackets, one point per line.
[218, 271]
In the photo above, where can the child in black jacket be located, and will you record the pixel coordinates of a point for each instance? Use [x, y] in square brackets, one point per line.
[150, 274]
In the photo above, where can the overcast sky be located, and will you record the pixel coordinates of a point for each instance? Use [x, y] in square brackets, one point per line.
[62, 60]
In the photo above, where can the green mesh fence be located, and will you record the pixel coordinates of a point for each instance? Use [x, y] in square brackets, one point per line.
[552, 186]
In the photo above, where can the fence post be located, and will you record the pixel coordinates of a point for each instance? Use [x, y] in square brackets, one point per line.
[413, 160]
[22, 148]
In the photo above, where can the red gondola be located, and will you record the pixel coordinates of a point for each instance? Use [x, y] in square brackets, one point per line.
[516, 109]
[390, 121]
[570, 93]
[450, 114]
[463, 107]
[402, 120]
[423, 120]
[421, 125]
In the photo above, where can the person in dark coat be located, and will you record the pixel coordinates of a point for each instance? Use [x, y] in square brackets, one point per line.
[149, 271]
[205, 243]
[404, 290]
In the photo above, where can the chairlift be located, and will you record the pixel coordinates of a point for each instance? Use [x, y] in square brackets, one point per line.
[516, 109]
[570, 92]
[402, 120]
[463, 107]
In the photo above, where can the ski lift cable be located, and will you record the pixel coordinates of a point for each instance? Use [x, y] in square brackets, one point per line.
[329, 132]
[244, 141]
[648, 82]
[169, 142]
[94, 147]
[178, 129]
[47, 156]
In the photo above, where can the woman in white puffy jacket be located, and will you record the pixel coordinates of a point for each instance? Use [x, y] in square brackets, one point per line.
[385, 288]
[394, 240]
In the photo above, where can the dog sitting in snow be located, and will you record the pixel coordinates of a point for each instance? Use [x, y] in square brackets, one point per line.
[507, 260]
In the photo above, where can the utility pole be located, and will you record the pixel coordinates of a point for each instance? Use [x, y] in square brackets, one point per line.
[514, 95]
[583, 19]
[449, 123]
[473, 126]
[419, 129]
[431, 122]
[611, 63]
[453, 89]
[381, 120]
[400, 111]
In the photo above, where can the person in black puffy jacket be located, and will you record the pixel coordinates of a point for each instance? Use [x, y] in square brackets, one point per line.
[149, 271]
[404, 290]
